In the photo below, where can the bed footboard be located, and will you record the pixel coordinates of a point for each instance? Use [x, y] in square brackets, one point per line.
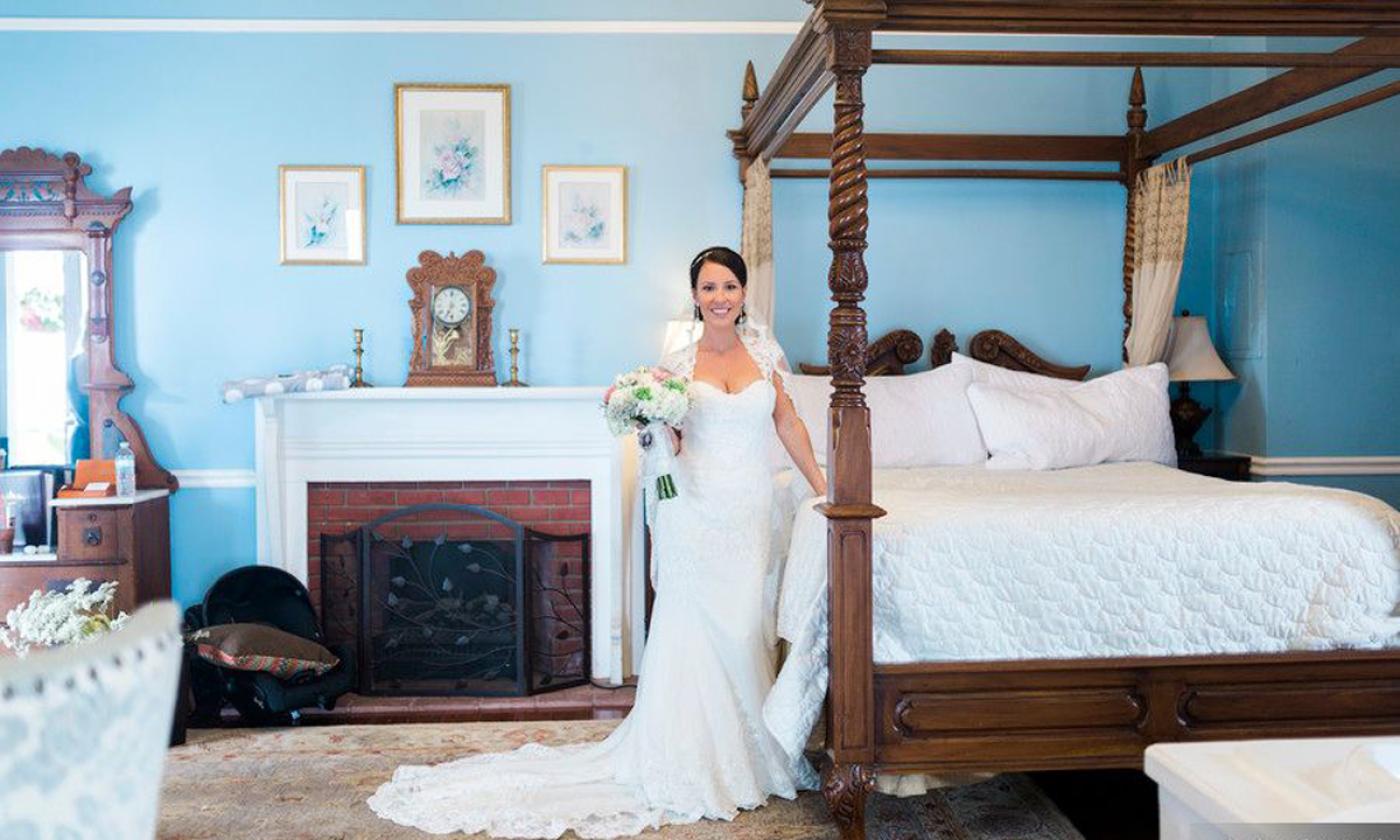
[1065, 714]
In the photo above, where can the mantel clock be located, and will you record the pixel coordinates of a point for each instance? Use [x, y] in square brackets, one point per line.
[451, 308]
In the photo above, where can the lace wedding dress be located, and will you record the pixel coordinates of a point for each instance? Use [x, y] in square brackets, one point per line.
[695, 745]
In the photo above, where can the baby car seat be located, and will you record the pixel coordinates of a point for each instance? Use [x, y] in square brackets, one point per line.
[263, 595]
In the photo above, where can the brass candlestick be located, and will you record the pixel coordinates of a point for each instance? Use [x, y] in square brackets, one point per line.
[359, 380]
[514, 360]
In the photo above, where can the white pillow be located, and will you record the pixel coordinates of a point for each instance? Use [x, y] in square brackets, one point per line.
[1119, 417]
[1012, 380]
[918, 420]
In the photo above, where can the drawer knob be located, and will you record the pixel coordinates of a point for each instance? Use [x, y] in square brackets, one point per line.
[92, 536]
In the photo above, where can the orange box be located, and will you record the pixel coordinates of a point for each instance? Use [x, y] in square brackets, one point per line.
[91, 471]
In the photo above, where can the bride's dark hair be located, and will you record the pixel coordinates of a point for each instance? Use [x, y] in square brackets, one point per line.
[719, 255]
[727, 257]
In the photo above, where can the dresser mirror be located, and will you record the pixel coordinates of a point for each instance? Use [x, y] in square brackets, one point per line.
[43, 357]
[61, 384]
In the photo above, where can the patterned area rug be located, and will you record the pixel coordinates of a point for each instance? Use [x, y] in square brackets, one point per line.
[311, 782]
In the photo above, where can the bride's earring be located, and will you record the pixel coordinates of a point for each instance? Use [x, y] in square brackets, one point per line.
[743, 316]
[697, 311]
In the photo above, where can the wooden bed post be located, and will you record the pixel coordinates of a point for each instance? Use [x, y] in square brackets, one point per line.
[740, 138]
[1133, 163]
[849, 776]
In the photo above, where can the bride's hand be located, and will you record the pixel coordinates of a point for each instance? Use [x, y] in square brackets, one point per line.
[675, 437]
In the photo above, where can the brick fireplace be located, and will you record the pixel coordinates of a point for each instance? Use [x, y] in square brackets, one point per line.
[330, 462]
[436, 596]
[335, 507]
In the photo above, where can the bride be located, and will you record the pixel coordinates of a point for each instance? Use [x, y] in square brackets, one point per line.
[694, 745]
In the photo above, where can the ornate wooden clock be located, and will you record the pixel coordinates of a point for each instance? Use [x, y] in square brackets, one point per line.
[451, 308]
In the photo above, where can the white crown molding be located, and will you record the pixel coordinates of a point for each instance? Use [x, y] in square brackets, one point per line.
[216, 479]
[402, 27]
[1266, 466]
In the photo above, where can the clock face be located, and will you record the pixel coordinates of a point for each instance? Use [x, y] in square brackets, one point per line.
[451, 306]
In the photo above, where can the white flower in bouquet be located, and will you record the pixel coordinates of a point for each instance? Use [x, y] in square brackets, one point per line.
[49, 619]
[648, 400]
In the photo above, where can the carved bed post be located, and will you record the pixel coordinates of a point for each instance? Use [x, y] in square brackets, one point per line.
[850, 775]
[1133, 163]
[740, 137]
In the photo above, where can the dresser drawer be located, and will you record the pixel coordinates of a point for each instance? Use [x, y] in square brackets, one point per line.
[86, 534]
[19, 579]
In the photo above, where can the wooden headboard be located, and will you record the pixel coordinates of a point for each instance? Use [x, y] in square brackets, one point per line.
[1001, 349]
[889, 354]
[886, 356]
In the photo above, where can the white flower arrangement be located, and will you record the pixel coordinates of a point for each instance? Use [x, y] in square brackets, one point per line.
[50, 619]
[649, 400]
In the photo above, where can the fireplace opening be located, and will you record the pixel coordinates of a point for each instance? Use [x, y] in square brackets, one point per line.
[456, 599]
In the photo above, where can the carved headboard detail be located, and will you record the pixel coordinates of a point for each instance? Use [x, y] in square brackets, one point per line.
[1000, 349]
[886, 356]
[889, 354]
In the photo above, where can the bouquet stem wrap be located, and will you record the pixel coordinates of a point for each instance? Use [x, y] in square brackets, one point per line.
[658, 459]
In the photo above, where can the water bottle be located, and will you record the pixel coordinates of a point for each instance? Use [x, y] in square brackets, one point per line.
[126, 470]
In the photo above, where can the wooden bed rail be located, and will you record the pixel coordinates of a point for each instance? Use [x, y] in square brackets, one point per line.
[910, 146]
[1265, 98]
[1007, 174]
[1360, 101]
[1139, 17]
[1066, 58]
[1070, 713]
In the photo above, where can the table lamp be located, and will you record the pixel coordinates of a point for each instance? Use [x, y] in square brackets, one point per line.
[680, 333]
[1191, 358]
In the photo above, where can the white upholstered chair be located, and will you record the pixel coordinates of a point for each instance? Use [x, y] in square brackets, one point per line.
[84, 730]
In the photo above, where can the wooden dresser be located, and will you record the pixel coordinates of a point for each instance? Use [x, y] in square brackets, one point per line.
[126, 540]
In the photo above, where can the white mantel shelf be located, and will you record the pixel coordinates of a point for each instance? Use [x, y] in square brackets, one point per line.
[461, 434]
[530, 394]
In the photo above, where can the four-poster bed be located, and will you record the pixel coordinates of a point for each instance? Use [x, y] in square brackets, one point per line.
[1048, 713]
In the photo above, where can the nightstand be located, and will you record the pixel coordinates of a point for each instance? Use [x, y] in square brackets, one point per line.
[1228, 467]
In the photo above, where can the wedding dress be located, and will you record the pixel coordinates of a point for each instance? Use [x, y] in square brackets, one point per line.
[694, 745]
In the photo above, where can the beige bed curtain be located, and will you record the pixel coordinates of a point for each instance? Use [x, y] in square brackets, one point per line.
[756, 242]
[1161, 205]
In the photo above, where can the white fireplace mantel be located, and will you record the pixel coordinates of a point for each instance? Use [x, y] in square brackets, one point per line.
[461, 434]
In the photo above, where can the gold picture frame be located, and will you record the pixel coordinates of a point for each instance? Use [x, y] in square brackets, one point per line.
[452, 153]
[321, 215]
[584, 214]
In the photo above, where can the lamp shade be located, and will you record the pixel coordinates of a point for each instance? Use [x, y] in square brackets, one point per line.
[680, 333]
[1190, 355]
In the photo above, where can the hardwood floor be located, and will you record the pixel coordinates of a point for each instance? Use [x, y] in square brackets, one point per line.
[581, 703]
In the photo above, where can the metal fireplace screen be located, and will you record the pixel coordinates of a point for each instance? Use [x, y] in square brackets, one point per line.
[457, 599]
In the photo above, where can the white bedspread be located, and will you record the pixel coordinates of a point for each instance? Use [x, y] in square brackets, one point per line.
[1113, 560]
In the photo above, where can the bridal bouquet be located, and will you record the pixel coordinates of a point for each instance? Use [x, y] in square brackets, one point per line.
[50, 619]
[649, 400]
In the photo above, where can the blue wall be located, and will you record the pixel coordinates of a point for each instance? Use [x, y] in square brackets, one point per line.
[198, 124]
[1308, 220]
[783, 10]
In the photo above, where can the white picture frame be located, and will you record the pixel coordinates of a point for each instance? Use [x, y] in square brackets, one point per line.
[321, 215]
[585, 214]
[452, 153]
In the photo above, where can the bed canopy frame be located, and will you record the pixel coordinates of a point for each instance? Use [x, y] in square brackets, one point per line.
[1025, 715]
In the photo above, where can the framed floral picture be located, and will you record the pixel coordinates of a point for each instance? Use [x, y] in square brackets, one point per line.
[585, 214]
[322, 215]
[452, 149]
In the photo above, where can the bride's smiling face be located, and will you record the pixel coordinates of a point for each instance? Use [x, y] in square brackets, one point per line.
[719, 294]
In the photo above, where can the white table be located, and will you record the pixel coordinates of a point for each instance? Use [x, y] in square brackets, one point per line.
[1227, 789]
